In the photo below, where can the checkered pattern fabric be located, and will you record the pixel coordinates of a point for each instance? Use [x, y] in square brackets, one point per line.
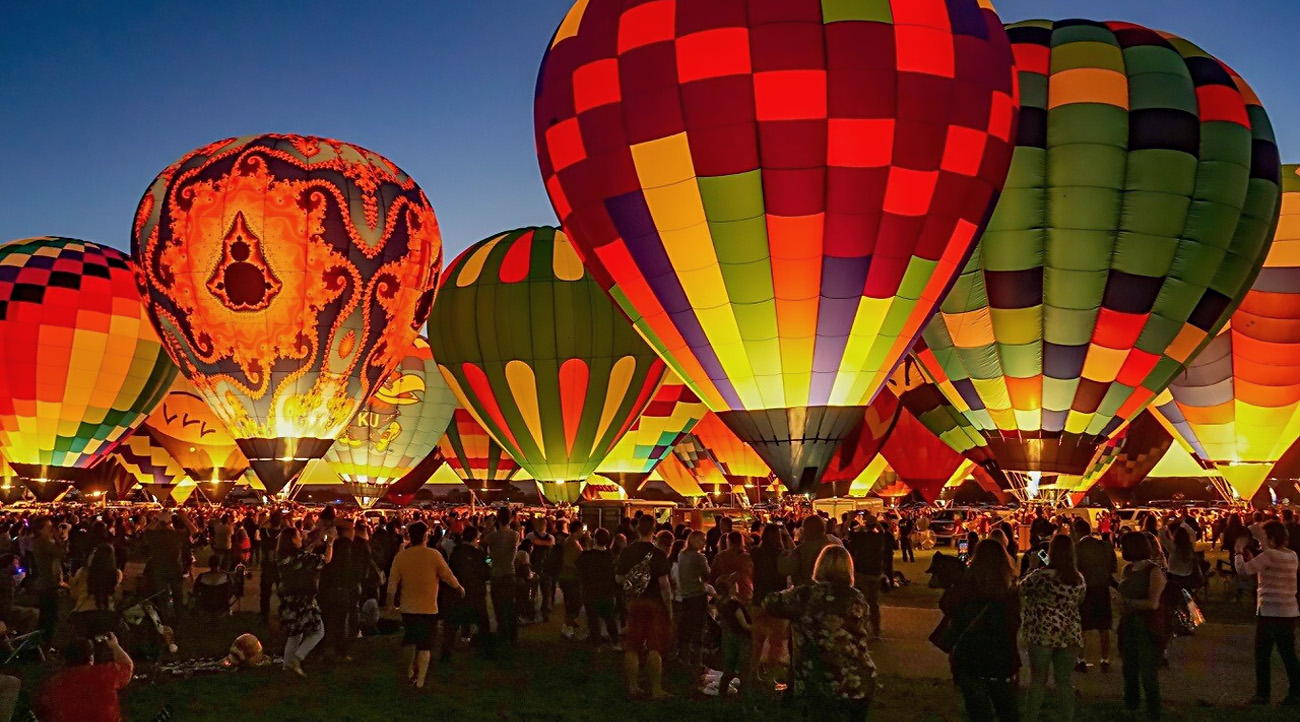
[776, 192]
[1139, 208]
[80, 364]
[539, 355]
[148, 461]
[673, 412]
[1142, 446]
[1241, 396]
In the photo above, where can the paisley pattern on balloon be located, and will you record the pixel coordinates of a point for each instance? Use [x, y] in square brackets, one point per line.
[287, 276]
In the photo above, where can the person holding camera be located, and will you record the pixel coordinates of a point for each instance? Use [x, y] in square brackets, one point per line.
[86, 689]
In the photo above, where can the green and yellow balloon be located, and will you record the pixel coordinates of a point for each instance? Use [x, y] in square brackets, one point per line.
[540, 356]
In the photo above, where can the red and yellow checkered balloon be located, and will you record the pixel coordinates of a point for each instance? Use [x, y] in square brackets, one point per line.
[777, 192]
[80, 364]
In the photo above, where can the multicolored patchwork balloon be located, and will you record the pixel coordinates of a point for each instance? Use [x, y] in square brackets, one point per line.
[1140, 205]
[861, 445]
[777, 192]
[287, 276]
[673, 412]
[539, 355]
[1241, 396]
[82, 366]
[737, 462]
[396, 429]
[150, 463]
[475, 457]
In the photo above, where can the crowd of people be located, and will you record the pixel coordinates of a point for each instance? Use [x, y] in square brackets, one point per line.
[789, 601]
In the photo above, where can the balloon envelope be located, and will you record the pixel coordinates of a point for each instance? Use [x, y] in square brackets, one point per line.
[397, 428]
[185, 426]
[82, 366]
[1240, 397]
[777, 192]
[673, 412]
[540, 356]
[1138, 210]
[287, 276]
[475, 457]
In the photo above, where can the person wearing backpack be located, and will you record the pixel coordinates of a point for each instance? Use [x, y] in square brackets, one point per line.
[981, 623]
[643, 571]
[300, 615]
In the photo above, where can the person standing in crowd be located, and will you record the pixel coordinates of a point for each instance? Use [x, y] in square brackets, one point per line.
[86, 690]
[543, 551]
[94, 593]
[269, 569]
[600, 590]
[982, 620]
[417, 574]
[49, 550]
[1276, 608]
[717, 536]
[870, 549]
[1053, 628]
[768, 633]
[803, 559]
[300, 615]
[222, 532]
[906, 526]
[733, 559]
[1097, 564]
[469, 565]
[643, 570]
[166, 557]
[734, 597]
[1142, 625]
[340, 589]
[693, 587]
[570, 585]
[502, 543]
[832, 673]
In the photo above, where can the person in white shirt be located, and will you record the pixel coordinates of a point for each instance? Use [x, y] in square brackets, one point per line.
[1277, 610]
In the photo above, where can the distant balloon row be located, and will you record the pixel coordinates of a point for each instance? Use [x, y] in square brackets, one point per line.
[800, 240]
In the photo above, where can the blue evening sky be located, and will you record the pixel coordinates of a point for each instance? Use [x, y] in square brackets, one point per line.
[97, 97]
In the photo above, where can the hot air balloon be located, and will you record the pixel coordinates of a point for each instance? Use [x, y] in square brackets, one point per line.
[186, 427]
[287, 276]
[150, 463]
[479, 461]
[1141, 199]
[82, 366]
[922, 460]
[1241, 395]
[677, 481]
[672, 412]
[539, 355]
[397, 428]
[1141, 446]
[403, 491]
[862, 445]
[777, 192]
[732, 458]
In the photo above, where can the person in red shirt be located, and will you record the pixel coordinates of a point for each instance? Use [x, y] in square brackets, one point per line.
[86, 691]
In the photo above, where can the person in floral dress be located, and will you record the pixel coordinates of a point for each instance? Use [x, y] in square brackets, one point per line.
[1051, 622]
[830, 623]
[300, 616]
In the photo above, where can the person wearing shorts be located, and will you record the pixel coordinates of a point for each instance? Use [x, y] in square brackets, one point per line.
[417, 573]
[1097, 564]
[649, 634]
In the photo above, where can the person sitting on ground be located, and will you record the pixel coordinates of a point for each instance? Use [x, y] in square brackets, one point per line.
[86, 691]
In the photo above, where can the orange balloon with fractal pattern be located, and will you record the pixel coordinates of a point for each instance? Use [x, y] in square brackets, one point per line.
[287, 275]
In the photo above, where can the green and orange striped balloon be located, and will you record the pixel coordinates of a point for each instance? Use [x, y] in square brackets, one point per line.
[541, 357]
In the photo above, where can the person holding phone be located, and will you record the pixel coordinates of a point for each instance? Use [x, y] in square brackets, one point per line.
[1277, 610]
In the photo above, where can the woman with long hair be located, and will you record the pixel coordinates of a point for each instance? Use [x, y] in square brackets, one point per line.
[982, 618]
[1141, 623]
[1050, 601]
[830, 623]
[94, 591]
[300, 615]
